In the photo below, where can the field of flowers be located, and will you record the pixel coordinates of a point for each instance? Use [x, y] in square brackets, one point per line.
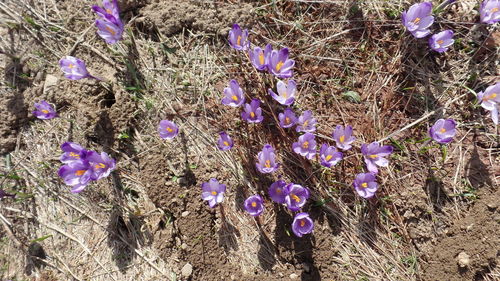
[244, 140]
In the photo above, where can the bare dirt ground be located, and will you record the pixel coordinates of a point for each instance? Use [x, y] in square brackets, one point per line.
[435, 217]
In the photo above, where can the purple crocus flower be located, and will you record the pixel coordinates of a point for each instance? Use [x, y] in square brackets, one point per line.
[343, 137]
[253, 205]
[233, 95]
[3, 194]
[306, 122]
[109, 8]
[286, 94]
[167, 129]
[443, 130]
[74, 68]
[287, 118]
[267, 160]
[418, 19]
[329, 155]
[365, 185]
[490, 11]
[109, 28]
[296, 196]
[224, 142]
[252, 112]
[490, 100]
[213, 192]
[441, 41]
[374, 155]
[277, 191]
[238, 39]
[259, 57]
[72, 152]
[302, 224]
[44, 110]
[76, 174]
[279, 64]
[100, 164]
[306, 146]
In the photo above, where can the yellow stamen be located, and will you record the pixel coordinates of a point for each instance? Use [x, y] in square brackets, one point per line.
[254, 204]
[284, 95]
[268, 164]
[235, 98]
[100, 166]
[416, 21]
[443, 130]
[328, 157]
[252, 114]
[72, 154]
[80, 172]
[278, 190]
[279, 65]
[494, 10]
[492, 96]
[226, 143]
[302, 223]
[108, 11]
[214, 193]
[342, 138]
[373, 156]
[261, 58]
[305, 144]
[440, 42]
[71, 66]
[287, 120]
[305, 123]
[110, 30]
[238, 41]
[295, 197]
[45, 111]
[169, 129]
[364, 185]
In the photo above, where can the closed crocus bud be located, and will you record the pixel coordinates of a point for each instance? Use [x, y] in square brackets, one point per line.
[443, 130]
[418, 19]
[441, 41]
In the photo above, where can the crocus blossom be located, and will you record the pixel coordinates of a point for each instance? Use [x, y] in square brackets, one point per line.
[109, 28]
[296, 196]
[254, 205]
[343, 137]
[213, 192]
[443, 130]
[260, 57]
[167, 129]
[233, 95]
[365, 185]
[302, 224]
[224, 142]
[109, 8]
[44, 110]
[306, 146]
[374, 154]
[238, 39]
[252, 112]
[266, 160]
[287, 118]
[490, 11]
[441, 41]
[74, 68]
[286, 93]
[100, 164]
[306, 122]
[277, 191]
[76, 174]
[279, 64]
[72, 152]
[490, 100]
[418, 19]
[329, 155]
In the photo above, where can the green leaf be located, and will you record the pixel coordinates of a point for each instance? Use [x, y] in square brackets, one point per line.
[352, 96]
[41, 238]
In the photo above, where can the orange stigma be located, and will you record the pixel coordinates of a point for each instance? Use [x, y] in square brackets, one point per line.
[254, 204]
[214, 193]
[261, 58]
[80, 172]
[305, 144]
[295, 197]
[416, 21]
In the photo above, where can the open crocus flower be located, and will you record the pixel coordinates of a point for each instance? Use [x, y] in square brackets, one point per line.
[302, 224]
[213, 192]
[443, 131]
[76, 174]
[306, 122]
[441, 41]
[109, 8]
[100, 164]
[72, 152]
[224, 142]
[238, 39]
[490, 100]
[374, 155]
[490, 11]
[110, 28]
[365, 185]
[259, 57]
[277, 191]
[329, 155]
[44, 110]
[233, 95]
[296, 196]
[254, 205]
[343, 137]
[252, 112]
[74, 68]
[167, 129]
[286, 94]
[306, 146]
[418, 19]
[279, 64]
[287, 118]
[266, 160]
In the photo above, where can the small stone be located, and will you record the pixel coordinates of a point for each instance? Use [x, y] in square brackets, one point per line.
[294, 276]
[463, 259]
[50, 81]
[185, 214]
[491, 206]
[187, 270]
[497, 218]
[184, 246]
[306, 267]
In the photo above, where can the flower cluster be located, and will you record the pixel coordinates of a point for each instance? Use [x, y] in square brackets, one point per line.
[109, 25]
[82, 166]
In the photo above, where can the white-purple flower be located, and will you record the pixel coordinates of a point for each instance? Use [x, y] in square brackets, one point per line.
[44, 110]
[277, 191]
[329, 155]
[266, 160]
[213, 192]
[74, 68]
[260, 57]
[252, 112]
[306, 122]
[254, 205]
[286, 93]
[238, 39]
[365, 185]
[296, 196]
[306, 146]
[100, 164]
[233, 95]
[72, 152]
[76, 174]
[167, 129]
[302, 224]
[418, 19]
[224, 142]
[279, 64]
[490, 100]
[440, 42]
[374, 154]
[343, 137]
[490, 11]
[287, 118]
[443, 130]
